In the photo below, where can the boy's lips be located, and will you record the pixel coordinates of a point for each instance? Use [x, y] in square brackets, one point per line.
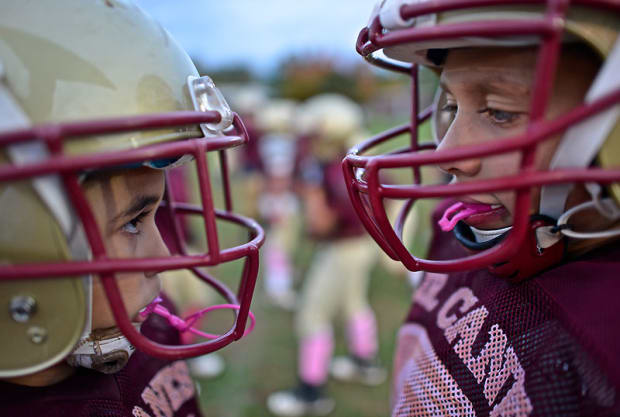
[139, 317]
[474, 214]
[491, 219]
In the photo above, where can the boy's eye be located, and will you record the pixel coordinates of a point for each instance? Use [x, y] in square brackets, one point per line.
[499, 116]
[132, 225]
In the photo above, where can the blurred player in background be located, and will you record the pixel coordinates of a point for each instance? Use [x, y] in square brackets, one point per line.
[336, 284]
[97, 102]
[278, 204]
[517, 312]
[248, 100]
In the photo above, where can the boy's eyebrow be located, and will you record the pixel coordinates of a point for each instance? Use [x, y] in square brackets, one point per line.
[138, 204]
[509, 86]
[495, 83]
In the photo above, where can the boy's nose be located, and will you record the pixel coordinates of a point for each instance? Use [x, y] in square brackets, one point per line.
[459, 135]
[158, 249]
[161, 248]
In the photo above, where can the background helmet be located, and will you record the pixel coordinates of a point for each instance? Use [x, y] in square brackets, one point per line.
[275, 119]
[276, 116]
[333, 123]
[403, 34]
[85, 86]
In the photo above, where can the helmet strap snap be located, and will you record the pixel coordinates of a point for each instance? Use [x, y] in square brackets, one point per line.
[542, 249]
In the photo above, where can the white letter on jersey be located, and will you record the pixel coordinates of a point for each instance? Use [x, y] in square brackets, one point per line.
[463, 295]
[426, 294]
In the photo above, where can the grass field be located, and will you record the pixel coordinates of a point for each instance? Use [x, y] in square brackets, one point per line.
[266, 360]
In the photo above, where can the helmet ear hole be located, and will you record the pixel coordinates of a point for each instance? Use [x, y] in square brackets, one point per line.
[45, 334]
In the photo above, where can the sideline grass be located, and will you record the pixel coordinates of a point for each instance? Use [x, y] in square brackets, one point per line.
[266, 360]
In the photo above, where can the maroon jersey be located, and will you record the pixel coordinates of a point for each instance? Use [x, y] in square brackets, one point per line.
[475, 345]
[146, 387]
[331, 179]
[348, 224]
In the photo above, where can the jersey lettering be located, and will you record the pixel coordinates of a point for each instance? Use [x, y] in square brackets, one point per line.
[516, 402]
[426, 387]
[426, 294]
[168, 390]
[462, 296]
[139, 412]
[420, 368]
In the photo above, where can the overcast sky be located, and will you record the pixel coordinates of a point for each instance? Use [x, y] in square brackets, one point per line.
[260, 33]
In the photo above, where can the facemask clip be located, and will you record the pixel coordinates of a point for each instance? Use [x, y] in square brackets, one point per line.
[207, 97]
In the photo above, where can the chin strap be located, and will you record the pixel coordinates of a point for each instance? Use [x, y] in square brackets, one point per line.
[104, 350]
[108, 350]
[544, 246]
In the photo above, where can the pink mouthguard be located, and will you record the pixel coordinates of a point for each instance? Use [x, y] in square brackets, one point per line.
[459, 211]
[185, 325]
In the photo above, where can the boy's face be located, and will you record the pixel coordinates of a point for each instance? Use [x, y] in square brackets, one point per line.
[124, 204]
[488, 97]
